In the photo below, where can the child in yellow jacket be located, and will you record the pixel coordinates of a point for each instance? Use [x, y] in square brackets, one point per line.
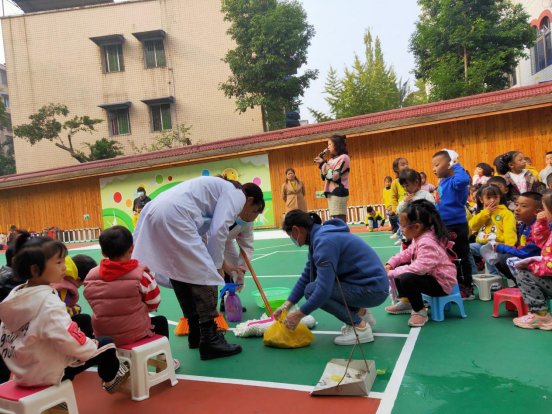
[495, 223]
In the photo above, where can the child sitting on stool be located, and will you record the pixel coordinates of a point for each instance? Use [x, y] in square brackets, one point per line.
[122, 292]
[374, 220]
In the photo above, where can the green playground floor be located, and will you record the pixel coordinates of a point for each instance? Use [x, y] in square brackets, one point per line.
[479, 365]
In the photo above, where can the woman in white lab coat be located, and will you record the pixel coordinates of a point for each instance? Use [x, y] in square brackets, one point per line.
[169, 240]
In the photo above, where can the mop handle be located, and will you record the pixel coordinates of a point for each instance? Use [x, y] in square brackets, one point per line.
[254, 275]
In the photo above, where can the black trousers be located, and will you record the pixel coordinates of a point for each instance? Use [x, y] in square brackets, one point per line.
[504, 269]
[196, 300]
[160, 325]
[107, 362]
[458, 233]
[412, 286]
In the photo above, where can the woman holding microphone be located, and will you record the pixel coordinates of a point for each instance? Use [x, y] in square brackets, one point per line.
[335, 173]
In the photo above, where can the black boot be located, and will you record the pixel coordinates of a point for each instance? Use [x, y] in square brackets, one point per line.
[194, 333]
[212, 343]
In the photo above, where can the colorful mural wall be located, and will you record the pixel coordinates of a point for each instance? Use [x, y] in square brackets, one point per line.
[118, 193]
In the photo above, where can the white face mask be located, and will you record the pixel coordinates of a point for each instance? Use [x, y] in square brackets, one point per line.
[141, 194]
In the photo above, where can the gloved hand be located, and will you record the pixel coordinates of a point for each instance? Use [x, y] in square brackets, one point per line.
[453, 156]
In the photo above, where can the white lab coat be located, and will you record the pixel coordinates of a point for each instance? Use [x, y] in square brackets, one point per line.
[168, 236]
[239, 236]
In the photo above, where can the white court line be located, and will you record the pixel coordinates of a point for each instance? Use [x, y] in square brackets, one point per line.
[251, 383]
[265, 384]
[394, 384]
[272, 247]
[264, 255]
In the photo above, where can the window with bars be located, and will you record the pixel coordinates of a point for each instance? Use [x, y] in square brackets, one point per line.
[161, 117]
[119, 121]
[541, 53]
[113, 58]
[154, 52]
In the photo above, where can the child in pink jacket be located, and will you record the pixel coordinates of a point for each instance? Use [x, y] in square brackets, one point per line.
[424, 267]
[534, 274]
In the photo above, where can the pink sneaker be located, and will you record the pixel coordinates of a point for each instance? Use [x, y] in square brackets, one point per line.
[418, 319]
[534, 321]
[399, 308]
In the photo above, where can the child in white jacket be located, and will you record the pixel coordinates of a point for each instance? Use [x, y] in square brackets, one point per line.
[40, 343]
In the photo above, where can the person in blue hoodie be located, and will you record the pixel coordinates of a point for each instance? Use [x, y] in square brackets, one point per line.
[451, 205]
[528, 205]
[335, 254]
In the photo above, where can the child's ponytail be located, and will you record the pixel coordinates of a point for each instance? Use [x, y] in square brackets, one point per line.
[425, 213]
[300, 218]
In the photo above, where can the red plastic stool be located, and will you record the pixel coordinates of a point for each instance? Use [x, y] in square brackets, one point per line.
[21, 400]
[513, 299]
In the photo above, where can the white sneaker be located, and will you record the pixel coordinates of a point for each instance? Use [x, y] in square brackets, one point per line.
[398, 242]
[348, 336]
[394, 236]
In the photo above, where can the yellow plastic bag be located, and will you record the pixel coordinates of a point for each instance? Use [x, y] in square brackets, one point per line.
[278, 335]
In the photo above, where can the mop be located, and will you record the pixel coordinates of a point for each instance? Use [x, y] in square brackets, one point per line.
[257, 327]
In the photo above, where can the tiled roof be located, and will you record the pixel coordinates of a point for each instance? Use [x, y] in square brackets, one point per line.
[466, 107]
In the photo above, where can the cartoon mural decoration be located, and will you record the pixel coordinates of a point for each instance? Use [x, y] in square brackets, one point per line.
[118, 192]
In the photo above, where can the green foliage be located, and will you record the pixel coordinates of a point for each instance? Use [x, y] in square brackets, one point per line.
[171, 138]
[7, 159]
[45, 124]
[272, 39]
[464, 47]
[367, 87]
[103, 149]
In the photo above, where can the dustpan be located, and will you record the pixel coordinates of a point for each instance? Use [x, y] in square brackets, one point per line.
[347, 377]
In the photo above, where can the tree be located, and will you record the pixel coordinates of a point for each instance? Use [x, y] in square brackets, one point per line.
[7, 159]
[369, 86]
[464, 47]
[272, 39]
[104, 149]
[171, 138]
[46, 125]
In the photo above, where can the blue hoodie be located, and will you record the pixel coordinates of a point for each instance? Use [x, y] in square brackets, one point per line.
[453, 195]
[528, 250]
[332, 246]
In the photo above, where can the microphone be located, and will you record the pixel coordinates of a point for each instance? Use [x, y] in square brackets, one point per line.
[324, 152]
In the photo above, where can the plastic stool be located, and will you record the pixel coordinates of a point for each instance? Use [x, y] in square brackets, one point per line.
[31, 400]
[513, 299]
[441, 303]
[138, 354]
[484, 283]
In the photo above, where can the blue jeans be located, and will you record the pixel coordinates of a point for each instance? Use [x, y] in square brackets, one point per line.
[356, 297]
[475, 250]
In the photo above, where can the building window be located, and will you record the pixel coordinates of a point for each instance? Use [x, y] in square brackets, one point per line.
[119, 121]
[154, 52]
[161, 117]
[3, 77]
[541, 53]
[113, 58]
[111, 47]
[6, 101]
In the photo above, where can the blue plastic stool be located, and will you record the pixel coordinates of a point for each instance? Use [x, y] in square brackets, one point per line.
[441, 303]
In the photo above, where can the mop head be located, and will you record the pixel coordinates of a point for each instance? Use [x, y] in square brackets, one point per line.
[183, 329]
[257, 327]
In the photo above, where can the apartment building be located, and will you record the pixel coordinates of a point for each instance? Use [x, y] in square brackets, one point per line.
[142, 66]
[6, 133]
[537, 67]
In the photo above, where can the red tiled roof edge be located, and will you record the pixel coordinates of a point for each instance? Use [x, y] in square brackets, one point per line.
[307, 130]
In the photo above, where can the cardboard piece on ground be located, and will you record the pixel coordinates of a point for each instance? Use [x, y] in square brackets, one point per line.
[358, 380]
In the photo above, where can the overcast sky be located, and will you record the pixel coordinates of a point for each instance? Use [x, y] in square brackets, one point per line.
[340, 27]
